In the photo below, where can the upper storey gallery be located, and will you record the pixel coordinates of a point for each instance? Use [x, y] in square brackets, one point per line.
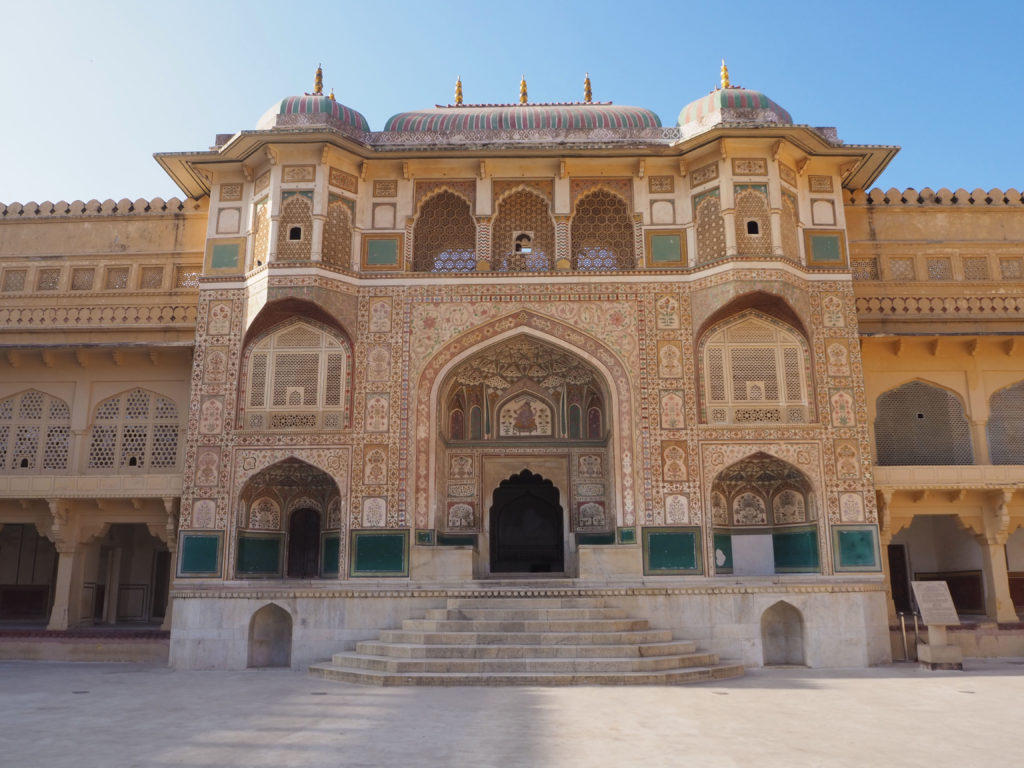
[528, 187]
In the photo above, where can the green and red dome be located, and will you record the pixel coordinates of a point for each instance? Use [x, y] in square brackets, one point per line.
[311, 110]
[515, 117]
[732, 105]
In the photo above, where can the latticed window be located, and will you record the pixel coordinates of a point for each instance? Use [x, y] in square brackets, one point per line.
[602, 233]
[296, 230]
[710, 227]
[261, 233]
[755, 371]
[753, 225]
[136, 430]
[1006, 426]
[921, 424]
[299, 378]
[523, 234]
[34, 432]
[790, 227]
[444, 236]
[337, 248]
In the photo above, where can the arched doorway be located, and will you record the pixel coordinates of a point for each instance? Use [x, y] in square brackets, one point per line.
[290, 523]
[526, 526]
[304, 544]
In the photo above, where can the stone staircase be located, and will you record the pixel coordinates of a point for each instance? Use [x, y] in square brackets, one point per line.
[525, 641]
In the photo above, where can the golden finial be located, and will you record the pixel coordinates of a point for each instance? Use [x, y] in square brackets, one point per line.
[522, 90]
[458, 90]
[587, 95]
[318, 81]
[725, 75]
[331, 96]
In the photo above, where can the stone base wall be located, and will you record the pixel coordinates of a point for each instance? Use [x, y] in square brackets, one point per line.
[844, 622]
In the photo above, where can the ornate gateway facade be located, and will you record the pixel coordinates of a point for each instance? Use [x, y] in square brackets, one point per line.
[548, 349]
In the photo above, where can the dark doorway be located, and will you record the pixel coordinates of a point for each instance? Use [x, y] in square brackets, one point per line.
[304, 544]
[526, 526]
[899, 579]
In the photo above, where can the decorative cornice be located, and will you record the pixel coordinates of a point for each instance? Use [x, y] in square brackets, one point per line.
[269, 593]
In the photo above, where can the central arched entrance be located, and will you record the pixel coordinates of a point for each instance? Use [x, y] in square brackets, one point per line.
[526, 526]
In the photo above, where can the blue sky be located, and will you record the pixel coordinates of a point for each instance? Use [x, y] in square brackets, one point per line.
[92, 90]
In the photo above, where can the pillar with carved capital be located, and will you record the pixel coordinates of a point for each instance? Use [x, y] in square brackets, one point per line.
[67, 588]
[998, 603]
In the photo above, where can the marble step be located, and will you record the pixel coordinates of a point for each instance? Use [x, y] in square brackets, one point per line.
[567, 625]
[667, 677]
[521, 614]
[418, 651]
[525, 638]
[526, 602]
[516, 665]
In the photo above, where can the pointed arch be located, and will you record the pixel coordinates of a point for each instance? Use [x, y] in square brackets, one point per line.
[1005, 428]
[337, 244]
[523, 232]
[602, 231]
[922, 423]
[754, 368]
[35, 431]
[782, 635]
[297, 375]
[444, 233]
[135, 430]
[421, 476]
[270, 637]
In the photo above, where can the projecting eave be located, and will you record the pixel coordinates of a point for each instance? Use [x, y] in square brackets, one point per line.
[864, 162]
[186, 168]
[861, 167]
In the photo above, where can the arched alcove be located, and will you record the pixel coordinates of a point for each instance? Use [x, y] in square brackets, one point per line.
[290, 523]
[270, 637]
[782, 635]
[764, 519]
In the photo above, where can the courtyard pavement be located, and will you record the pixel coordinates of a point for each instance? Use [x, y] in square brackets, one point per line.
[123, 715]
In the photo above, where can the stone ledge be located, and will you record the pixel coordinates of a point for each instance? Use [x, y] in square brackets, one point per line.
[265, 593]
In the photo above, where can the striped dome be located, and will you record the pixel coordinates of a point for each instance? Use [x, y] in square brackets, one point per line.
[307, 110]
[511, 117]
[732, 105]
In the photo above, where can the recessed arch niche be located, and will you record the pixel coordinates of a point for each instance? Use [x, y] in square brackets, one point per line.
[764, 519]
[289, 518]
[524, 404]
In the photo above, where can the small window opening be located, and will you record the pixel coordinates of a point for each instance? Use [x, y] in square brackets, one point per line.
[24, 463]
[295, 233]
[524, 243]
[753, 228]
[133, 462]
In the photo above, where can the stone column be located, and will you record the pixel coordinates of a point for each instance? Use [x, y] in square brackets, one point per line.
[998, 603]
[316, 252]
[776, 219]
[172, 506]
[979, 439]
[110, 594]
[66, 611]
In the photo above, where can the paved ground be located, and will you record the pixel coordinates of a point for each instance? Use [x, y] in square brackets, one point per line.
[89, 714]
